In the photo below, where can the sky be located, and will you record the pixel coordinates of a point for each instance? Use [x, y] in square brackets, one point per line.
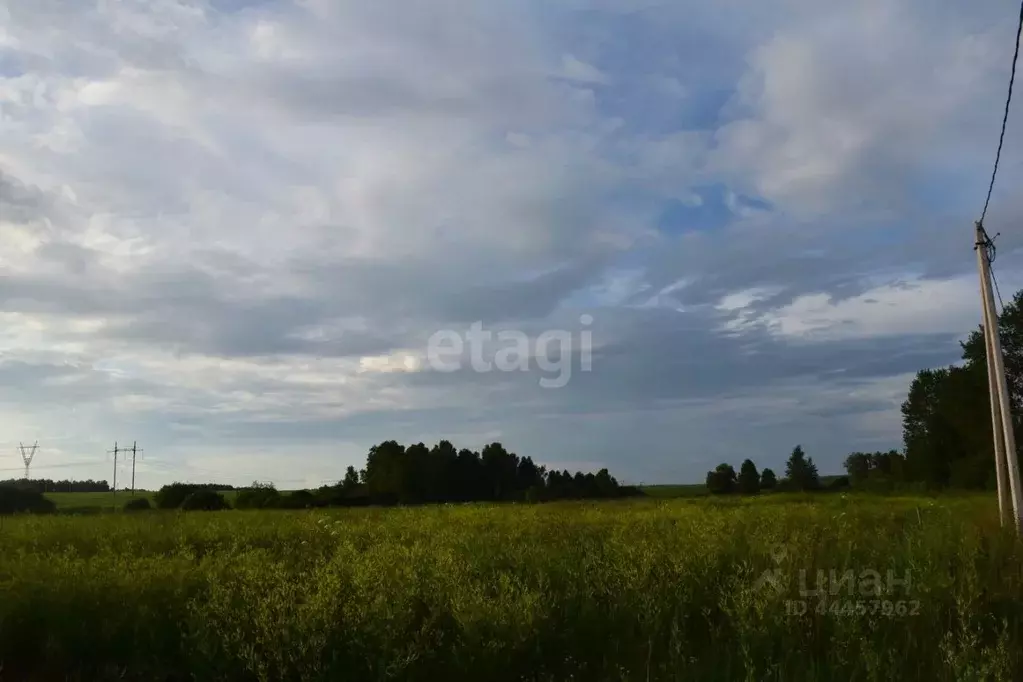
[697, 231]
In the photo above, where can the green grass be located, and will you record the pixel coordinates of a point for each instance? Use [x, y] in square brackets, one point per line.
[676, 490]
[631, 590]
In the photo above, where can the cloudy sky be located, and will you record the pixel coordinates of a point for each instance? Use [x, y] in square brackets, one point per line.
[229, 229]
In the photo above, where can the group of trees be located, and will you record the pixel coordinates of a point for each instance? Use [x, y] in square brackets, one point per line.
[46, 485]
[800, 474]
[875, 469]
[189, 497]
[417, 474]
[946, 419]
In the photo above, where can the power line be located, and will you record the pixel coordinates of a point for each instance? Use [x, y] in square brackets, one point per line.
[994, 280]
[990, 252]
[1005, 116]
[53, 466]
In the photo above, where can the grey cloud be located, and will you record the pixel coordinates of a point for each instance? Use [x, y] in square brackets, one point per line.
[423, 213]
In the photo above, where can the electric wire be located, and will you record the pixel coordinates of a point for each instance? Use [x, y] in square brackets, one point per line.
[1005, 116]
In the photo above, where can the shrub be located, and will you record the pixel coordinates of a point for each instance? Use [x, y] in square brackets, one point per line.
[17, 500]
[259, 496]
[171, 496]
[839, 483]
[299, 499]
[205, 500]
[137, 504]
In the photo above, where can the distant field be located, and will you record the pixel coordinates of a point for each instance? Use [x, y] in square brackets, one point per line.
[96, 502]
[673, 491]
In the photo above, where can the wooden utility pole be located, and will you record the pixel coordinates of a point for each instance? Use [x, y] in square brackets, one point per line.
[134, 451]
[1004, 434]
[115, 475]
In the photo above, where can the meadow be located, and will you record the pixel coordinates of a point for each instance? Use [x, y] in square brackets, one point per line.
[626, 590]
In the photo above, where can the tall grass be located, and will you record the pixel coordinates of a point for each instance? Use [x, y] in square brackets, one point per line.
[612, 591]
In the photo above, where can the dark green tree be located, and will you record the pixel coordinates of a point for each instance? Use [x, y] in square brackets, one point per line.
[749, 478]
[351, 479]
[768, 480]
[800, 471]
[722, 481]
[257, 496]
[204, 500]
[946, 418]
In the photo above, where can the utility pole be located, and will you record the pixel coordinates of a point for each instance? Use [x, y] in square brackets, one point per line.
[1004, 434]
[134, 451]
[115, 475]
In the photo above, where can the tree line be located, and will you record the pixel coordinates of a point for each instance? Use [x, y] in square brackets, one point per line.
[418, 474]
[800, 474]
[46, 485]
[946, 419]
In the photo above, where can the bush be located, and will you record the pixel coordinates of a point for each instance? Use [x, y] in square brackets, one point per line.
[17, 500]
[205, 500]
[299, 499]
[171, 496]
[137, 504]
[839, 483]
[257, 497]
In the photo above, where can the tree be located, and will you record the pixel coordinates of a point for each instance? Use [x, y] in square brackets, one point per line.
[875, 469]
[257, 496]
[946, 418]
[297, 499]
[417, 474]
[204, 500]
[1010, 333]
[749, 478]
[768, 480]
[800, 471]
[351, 479]
[722, 480]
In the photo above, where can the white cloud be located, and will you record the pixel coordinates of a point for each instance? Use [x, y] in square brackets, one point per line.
[912, 307]
[574, 69]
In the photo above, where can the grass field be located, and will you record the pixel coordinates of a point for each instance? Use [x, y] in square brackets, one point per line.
[675, 491]
[633, 590]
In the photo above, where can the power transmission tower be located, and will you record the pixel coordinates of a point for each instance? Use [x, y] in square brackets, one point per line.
[1006, 458]
[28, 453]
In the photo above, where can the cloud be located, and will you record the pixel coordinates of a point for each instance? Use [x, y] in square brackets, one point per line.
[229, 229]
